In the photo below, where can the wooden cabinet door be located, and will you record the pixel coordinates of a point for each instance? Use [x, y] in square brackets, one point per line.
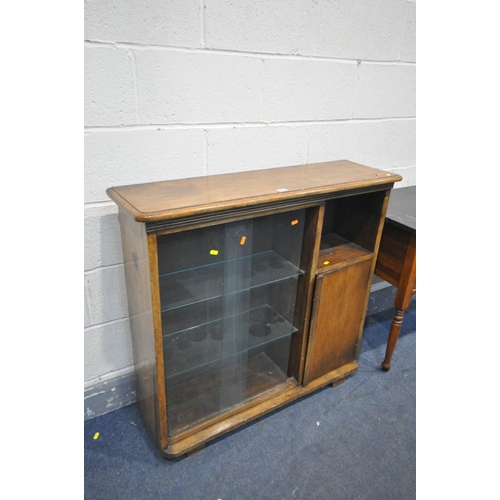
[337, 318]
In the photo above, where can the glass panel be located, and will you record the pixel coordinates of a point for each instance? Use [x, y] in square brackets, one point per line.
[207, 282]
[195, 396]
[202, 344]
[199, 313]
[228, 305]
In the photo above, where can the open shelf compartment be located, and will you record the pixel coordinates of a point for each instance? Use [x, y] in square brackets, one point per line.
[350, 228]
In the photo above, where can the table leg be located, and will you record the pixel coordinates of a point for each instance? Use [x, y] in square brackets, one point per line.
[405, 291]
[397, 322]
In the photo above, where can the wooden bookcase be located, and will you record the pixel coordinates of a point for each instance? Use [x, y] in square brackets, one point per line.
[246, 291]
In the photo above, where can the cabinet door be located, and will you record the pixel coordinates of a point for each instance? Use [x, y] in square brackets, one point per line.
[337, 318]
[227, 295]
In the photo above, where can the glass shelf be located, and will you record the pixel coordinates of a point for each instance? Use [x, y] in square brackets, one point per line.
[214, 341]
[197, 284]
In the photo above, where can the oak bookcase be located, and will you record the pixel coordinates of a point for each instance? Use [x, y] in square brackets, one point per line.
[246, 290]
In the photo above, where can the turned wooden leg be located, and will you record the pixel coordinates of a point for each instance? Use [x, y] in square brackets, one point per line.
[397, 321]
[405, 291]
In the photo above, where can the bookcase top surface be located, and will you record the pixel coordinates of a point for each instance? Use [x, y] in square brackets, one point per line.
[156, 201]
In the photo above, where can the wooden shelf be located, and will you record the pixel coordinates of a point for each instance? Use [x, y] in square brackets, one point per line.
[337, 252]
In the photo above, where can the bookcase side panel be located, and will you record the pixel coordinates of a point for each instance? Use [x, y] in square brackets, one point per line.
[138, 283]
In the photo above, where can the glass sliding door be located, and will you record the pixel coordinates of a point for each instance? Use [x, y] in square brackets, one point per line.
[228, 305]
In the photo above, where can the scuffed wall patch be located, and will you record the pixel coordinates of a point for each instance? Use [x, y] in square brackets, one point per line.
[110, 395]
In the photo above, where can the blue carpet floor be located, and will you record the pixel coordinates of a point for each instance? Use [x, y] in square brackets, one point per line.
[354, 441]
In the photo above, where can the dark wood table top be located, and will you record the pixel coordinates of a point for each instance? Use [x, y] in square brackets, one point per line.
[402, 208]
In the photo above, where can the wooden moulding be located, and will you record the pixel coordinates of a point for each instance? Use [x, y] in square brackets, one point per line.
[158, 340]
[198, 439]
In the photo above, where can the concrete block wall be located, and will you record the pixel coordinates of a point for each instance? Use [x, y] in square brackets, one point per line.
[184, 88]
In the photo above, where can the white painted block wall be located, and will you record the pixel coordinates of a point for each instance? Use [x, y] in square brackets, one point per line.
[184, 88]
